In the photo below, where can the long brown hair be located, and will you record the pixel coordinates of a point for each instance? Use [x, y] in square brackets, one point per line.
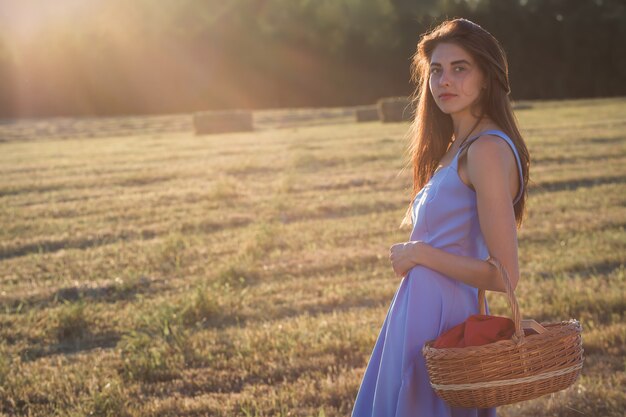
[431, 130]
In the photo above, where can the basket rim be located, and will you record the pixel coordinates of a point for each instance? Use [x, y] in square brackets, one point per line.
[574, 324]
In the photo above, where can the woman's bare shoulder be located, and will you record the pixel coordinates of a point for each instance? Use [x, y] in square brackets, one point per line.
[491, 150]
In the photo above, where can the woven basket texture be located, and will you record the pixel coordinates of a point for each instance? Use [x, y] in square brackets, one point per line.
[507, 371]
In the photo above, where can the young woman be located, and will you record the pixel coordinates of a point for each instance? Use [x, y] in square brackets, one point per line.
[470, 171]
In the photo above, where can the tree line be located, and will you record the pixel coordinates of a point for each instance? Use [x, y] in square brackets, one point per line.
[143, 57]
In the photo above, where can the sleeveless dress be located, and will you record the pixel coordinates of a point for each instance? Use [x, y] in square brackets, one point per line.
[427, 303]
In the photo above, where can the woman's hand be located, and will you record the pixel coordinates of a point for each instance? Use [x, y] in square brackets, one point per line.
[405, 256]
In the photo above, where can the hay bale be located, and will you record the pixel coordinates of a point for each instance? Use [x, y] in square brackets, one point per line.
[367, 113]
[223, 121]
[395, 109]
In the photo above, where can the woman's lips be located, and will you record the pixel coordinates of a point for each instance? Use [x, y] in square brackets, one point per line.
[446, 96]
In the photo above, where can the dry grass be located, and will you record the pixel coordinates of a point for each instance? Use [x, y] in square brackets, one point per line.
[246, 273]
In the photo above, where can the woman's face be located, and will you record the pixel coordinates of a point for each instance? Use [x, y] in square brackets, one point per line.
[453, 72]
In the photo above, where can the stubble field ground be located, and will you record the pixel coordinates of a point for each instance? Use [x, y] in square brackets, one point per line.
[167, 274]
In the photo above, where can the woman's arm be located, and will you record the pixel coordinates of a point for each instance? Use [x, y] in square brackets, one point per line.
[471, 271]
[491, 169]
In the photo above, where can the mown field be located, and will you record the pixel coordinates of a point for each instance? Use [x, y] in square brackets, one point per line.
[247, 274]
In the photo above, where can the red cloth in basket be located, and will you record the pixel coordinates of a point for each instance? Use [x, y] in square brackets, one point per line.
[478, 329]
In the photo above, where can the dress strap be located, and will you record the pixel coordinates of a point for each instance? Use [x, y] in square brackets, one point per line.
[508, 140]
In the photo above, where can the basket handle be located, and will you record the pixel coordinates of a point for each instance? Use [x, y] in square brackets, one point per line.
[518, 337]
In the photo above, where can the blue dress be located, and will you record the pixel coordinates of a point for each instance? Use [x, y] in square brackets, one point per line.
[427, 303]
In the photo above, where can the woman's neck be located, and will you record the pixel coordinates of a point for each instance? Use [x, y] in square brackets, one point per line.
[468, 129]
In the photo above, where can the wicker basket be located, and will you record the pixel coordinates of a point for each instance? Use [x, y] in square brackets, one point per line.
[507, 371]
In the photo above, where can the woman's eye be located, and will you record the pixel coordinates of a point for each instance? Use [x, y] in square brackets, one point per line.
[434, 70]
